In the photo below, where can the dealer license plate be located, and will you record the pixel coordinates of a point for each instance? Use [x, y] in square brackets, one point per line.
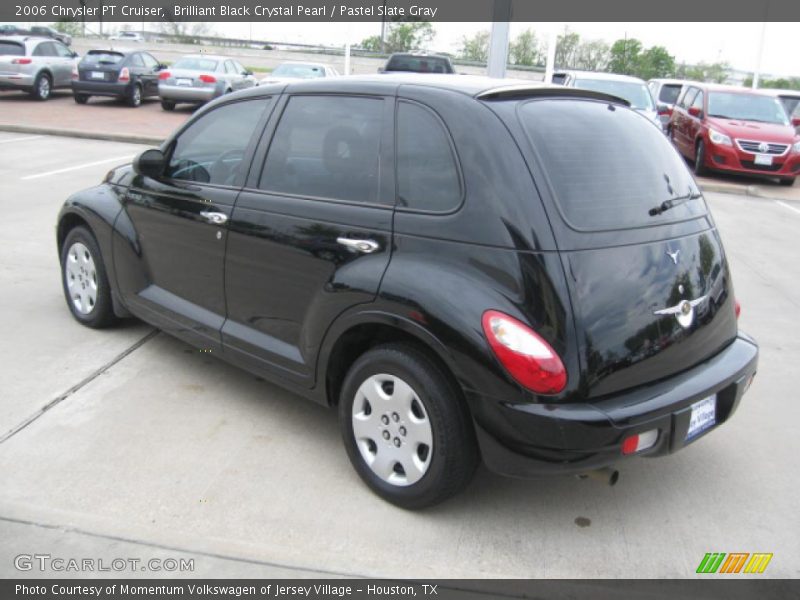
[704, 416]
[98, 75]
[763, 159]
[182, 81]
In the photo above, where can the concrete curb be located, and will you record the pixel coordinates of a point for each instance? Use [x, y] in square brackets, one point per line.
[129, 138]
[754, 191]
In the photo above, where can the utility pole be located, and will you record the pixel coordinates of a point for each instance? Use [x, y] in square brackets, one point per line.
[757, 73]
[498, 42]
[549, 66]
[383, 29]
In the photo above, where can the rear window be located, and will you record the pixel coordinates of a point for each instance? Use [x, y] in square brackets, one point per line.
[105, 57]
[196, 64]
[419, 64]
[636, 93]
[669, 93]
[607, 165]
[299, 71]
[11, 49]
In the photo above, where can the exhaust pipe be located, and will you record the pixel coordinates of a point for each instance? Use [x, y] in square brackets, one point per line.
[604, 475]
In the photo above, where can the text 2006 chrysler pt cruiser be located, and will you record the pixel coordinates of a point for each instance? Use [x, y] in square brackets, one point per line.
[524, 274]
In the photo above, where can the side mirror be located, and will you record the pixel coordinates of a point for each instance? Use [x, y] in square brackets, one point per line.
[150, 163]
[696, 112]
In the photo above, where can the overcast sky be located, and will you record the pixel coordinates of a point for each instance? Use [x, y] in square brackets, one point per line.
[736, 43]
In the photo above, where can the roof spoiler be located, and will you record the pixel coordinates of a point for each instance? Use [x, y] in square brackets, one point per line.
[533, 91]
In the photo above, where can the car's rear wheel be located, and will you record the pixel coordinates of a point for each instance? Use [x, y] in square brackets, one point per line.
[406, 431]
[167, 105]
[700, 167]
[85, 283]
[787, 181]
[81, 98]
[42, 86]
[134, 98]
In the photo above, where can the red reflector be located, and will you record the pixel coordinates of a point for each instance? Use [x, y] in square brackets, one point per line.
[737, 308]
[526, 356]
[208, 79]
[630, 445]
[124, 75]
[21, 61]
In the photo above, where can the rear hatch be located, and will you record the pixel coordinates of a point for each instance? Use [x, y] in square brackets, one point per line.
[101, 65]
[11, 51]
[648, 279]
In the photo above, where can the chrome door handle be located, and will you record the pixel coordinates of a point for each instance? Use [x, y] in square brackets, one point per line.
[363, 246]
[217, 218]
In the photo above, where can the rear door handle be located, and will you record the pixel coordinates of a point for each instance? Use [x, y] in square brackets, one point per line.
[217, 218]
[363, 246]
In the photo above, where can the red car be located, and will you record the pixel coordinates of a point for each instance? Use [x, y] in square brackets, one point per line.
[736, 130]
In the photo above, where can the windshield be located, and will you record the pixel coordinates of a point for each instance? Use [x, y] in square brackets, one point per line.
[299, 71]
[196, 64]
[11, 49]
[635, 93]
[607, 166]
[669, 93]
[102, 56]
[419, 64]
[746, 107]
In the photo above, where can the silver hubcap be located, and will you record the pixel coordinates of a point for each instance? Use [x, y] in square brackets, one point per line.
[392, 430]
[44, 87]
[137, 95]
[81, 277]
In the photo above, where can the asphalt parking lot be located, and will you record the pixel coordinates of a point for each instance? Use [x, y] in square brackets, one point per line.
[125, 442]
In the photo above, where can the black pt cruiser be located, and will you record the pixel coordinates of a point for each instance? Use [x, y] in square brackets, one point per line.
[467, 269]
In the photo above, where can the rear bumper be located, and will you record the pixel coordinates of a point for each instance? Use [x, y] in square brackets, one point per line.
[178, 93]
[531, 440]
[100, 88]
[16, 81]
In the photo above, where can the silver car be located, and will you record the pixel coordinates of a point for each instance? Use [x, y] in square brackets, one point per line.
[201, 77]
[289, 71]
[35, 65]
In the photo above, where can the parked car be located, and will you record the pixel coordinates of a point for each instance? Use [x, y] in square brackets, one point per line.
[129, 75]
[35, 65]
[665, 92]
[128, 36]
[299, 70]
[736, 130]
[790, 99]
[10, 29]
[631, 89]
[201, 77]
[460, 266]
[417, 63]
[44, 31]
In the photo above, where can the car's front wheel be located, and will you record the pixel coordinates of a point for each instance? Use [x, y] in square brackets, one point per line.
[407, 432]
[167, 105]
[81, 98]
[83, 274]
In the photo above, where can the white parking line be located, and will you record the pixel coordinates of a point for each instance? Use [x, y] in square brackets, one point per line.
[784, 205]
[76, 167]
[21, 139]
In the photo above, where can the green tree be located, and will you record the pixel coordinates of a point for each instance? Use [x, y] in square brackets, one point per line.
[592, 55]
[655, 62]
[710, 72]
[476, 47]
[371, 44]
[404, 37]
[625, 56]
[67, 26]
[526, 49]
[566, 49]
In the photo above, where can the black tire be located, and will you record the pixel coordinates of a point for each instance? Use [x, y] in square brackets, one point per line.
[454, 454]
[81, 98]
[134, 98]
[101, 313]
[700, 167]
[42, 87]
[167, 105]
[787, 181]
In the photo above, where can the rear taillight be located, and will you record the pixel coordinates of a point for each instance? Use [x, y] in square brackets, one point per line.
[737, 308]
[208, 79]
[124, 75]
[665, 112]
[21, 61]
[164, 75]
[526, 356]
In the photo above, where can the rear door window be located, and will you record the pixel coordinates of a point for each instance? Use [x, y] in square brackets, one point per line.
[326, 147]
[606, 165]
[427, 175]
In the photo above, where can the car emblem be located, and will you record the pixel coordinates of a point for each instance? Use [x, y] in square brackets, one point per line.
[674, 256]
[763, 147]
[680, 288]
[683, 311]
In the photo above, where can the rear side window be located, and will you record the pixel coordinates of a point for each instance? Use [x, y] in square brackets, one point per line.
[136, 61]
[45, 49]
[11, 49]
[607, 165]
[669, 93]
[326, 147]
[688, 97]
[427, 176]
